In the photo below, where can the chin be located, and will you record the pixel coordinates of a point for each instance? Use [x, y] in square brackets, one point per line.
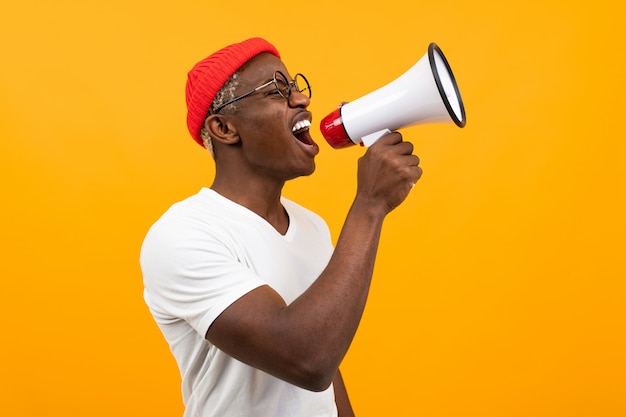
[311, 170]
[305, 172]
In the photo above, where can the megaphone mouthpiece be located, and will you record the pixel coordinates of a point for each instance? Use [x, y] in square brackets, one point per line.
[426, 93]
[333, 130]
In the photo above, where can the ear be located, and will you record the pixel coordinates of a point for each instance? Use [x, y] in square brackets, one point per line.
[221, 129]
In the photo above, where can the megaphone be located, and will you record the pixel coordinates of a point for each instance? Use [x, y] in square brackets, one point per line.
[426, 93]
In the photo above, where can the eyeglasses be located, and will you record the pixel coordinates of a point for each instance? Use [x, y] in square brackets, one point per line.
[282, 85]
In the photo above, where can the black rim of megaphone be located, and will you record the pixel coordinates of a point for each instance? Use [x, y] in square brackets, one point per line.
[433, 66]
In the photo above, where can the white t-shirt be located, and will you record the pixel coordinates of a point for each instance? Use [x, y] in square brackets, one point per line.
[203, 254]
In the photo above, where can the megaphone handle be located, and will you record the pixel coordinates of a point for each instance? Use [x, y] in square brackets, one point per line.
[369, 140]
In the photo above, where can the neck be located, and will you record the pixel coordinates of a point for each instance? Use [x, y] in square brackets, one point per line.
[259, 197]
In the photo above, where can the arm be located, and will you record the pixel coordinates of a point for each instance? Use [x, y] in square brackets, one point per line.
[344, 407]
[304, 342]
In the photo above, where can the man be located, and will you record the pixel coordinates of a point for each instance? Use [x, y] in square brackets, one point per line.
[258, 308]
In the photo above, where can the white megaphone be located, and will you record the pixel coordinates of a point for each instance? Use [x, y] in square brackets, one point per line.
[426, 93]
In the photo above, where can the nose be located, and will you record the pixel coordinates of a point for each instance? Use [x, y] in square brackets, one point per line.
[298, 99]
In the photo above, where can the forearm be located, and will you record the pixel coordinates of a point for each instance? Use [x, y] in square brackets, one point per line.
[342, 400]
[327, 315]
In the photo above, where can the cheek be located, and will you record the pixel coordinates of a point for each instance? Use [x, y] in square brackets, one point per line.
[264, 132]
[260, 142]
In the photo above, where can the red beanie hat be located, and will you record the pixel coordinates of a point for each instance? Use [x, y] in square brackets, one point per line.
[209, 75]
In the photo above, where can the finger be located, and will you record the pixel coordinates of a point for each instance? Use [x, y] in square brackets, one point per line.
[390, 139]
[412, 160]
[402, 148]
[418, 174]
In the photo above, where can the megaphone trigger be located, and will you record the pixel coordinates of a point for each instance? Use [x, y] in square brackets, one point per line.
[372, 138]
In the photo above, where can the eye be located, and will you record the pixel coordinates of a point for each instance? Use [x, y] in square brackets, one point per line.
[283, 88]
[282, 84]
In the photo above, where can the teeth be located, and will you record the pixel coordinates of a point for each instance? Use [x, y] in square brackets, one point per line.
[301, 125]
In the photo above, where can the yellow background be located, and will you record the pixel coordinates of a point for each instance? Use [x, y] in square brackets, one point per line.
[499, 287]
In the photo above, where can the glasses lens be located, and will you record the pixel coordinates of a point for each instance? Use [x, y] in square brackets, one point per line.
[282, 85]
[302, 85]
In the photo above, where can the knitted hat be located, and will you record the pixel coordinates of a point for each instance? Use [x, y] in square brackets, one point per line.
[209, 75]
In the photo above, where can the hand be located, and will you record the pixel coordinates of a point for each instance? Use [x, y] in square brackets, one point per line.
[387, 172]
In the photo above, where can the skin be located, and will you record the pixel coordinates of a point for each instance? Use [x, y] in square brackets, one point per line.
[255, 154]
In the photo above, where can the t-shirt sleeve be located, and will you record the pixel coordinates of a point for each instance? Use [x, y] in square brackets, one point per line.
[192, 274]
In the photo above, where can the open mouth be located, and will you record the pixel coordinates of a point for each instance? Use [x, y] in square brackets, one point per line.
[301, 131]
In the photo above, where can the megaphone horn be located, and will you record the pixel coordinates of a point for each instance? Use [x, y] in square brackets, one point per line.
[426, 93]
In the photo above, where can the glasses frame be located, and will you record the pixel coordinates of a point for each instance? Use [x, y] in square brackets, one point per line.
[274, 81]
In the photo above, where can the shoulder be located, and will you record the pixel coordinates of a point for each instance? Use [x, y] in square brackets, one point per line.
[195, 212]
[192, 222]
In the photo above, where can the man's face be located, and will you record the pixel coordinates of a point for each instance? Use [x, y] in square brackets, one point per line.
[266, 121]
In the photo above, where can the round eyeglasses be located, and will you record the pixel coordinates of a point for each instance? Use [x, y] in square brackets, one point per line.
[282, 86]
